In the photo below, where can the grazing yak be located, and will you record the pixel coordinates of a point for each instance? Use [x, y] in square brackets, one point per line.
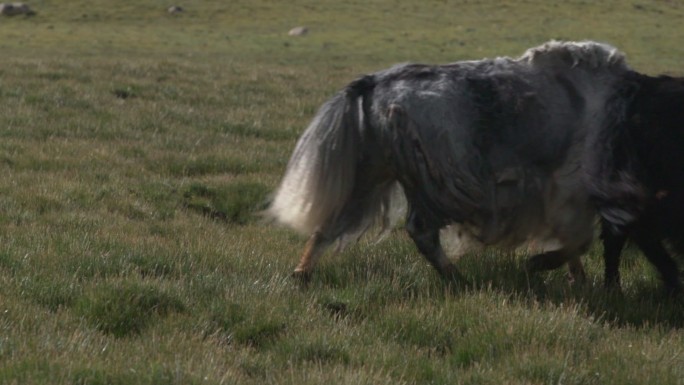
[496, 147]
[635, 174]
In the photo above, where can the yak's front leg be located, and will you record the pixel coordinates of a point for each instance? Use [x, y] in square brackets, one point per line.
[426, 238]
[652, 247]
[554, 259]
[613, 242]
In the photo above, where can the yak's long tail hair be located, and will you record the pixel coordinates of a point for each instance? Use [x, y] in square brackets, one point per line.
[323, 172]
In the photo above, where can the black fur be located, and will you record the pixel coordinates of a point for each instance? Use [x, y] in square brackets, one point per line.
[636, 175]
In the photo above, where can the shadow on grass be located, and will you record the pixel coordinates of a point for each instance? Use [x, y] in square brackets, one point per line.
[234, 203]
[126, 309]
[643, 305]
[358, 281]
[257, 328]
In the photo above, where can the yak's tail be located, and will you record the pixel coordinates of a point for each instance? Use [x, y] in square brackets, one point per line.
[321, 175]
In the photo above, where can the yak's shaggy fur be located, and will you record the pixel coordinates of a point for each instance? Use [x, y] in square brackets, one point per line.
[494, 146]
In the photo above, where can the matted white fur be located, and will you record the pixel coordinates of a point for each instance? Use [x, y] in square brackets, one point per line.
[588, 53]
[321, 171]
[293, 201]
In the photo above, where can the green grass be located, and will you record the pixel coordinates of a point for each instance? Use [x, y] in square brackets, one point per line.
[126, 309]
[137, 149]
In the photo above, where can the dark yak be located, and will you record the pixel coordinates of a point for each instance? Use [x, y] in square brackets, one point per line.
[636, 174]
[492, 146]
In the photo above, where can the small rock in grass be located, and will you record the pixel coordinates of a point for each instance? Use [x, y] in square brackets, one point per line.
[298, 31]
[174, 10]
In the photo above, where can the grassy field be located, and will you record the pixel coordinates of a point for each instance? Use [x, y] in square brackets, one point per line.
[136, 146]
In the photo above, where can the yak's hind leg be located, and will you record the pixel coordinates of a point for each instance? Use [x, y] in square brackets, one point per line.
[426, 238]
[373, 190]
[355, 217]
[315, 246]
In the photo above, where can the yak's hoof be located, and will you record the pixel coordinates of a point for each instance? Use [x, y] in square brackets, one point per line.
[673, 291]
[302, 277]
[576, 279]
[451, 275]
[613, 288]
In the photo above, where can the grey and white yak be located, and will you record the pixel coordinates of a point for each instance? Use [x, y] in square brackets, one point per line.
[495, 147]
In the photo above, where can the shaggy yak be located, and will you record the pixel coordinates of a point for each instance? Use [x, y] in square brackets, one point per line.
[635, 174]
[494, 146]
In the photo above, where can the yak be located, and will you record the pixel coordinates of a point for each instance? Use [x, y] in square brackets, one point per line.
[496, 147]
[635, 175]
